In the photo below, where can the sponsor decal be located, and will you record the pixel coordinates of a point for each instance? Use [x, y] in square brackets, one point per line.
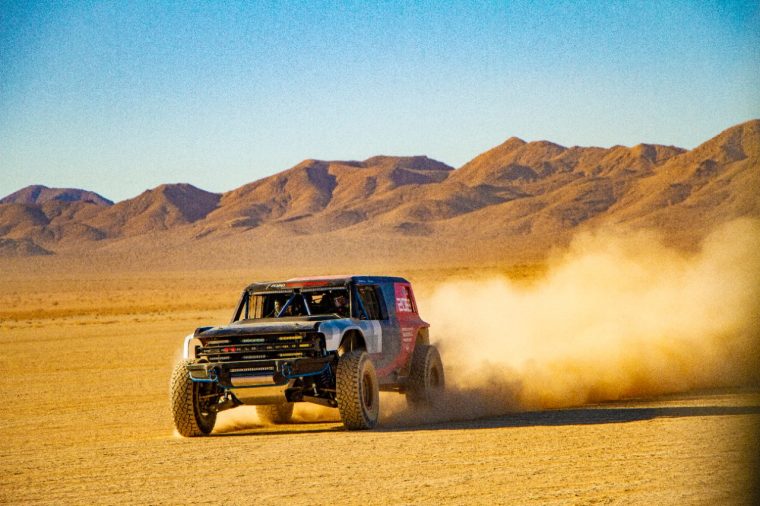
[403, 304]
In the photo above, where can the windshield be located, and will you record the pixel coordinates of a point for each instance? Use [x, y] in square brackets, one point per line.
[334, 301]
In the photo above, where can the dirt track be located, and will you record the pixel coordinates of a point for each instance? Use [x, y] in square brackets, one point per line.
[86, 421]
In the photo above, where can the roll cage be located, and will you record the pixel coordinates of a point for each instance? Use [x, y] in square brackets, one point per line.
[280, 303]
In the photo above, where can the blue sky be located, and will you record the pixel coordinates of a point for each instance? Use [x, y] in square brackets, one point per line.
[118, 97]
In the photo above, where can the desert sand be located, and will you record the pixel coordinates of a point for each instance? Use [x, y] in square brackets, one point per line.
[86, 363]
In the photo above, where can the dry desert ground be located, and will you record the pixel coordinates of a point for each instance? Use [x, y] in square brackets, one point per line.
[85, 367]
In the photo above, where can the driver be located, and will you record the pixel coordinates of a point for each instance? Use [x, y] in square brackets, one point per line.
[277, 307]
[341, 305]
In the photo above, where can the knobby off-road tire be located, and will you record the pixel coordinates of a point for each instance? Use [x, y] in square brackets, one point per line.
[275, 413]
[357, 391]
[426, 379]
[191, 414]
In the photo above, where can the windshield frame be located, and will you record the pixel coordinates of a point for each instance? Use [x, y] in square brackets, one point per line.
[243, 311]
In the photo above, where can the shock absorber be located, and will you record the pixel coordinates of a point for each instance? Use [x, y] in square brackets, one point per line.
[325, 379]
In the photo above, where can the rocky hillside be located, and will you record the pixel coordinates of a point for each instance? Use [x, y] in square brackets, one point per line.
[518, 193]
[39, 194]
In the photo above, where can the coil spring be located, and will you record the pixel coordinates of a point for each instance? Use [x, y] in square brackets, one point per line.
[326, 378]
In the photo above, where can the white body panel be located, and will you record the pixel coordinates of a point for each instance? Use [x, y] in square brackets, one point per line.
[334, 330]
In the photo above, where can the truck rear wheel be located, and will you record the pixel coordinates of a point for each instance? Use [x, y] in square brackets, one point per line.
[358, 391]
[191, 403]
[275, 413]
[426, 380]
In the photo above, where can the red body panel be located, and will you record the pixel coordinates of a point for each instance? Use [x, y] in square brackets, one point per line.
[409, 325]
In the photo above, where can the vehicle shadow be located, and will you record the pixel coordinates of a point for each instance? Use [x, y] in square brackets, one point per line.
[287, 429]
[592, 415]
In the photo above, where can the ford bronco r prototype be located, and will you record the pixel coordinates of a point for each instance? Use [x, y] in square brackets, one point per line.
[335, 341]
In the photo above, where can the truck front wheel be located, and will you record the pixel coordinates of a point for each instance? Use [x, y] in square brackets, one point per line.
[191, 403]
[426, 380]
[358, 391]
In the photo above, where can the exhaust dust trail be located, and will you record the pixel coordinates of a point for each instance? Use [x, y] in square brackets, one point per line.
[245, 417]
[617, 315]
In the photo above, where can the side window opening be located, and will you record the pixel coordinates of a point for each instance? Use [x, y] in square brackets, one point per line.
[328, 302]
[412, 304]
[404, 299]
[372, 302]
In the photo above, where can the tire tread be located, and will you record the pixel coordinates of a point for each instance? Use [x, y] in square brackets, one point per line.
[418, 391]
[181, 391]
[348, 390]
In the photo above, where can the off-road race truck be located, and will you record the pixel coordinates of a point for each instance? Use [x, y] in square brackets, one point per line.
[335, 341]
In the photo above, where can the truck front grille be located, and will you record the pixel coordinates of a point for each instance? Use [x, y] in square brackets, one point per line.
[265, 348]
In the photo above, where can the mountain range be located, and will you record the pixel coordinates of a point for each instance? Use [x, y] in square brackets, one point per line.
[516, 200]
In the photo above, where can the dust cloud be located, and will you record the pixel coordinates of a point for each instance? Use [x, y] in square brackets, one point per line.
[617, 315]
[245, 417]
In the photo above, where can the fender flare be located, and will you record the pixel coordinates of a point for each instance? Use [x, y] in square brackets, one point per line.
[186, 347]
[423, 336]
[369, 334]
[352, 339]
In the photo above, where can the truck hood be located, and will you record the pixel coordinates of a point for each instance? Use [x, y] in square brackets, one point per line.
[265, 326]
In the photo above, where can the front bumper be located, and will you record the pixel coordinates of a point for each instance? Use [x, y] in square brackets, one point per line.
[259, 382]
[251, 373]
